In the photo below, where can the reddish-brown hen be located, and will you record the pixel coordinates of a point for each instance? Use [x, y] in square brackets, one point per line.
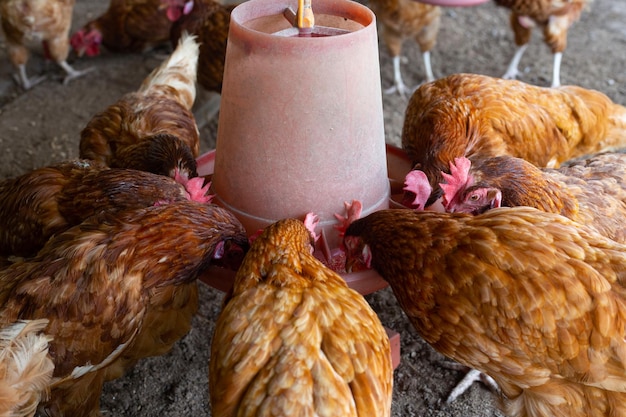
[153, 128]
[402, 20]
[554, 17]
[528, 297]
[49, 200]
[127, 26]
[117, 288]
[25, 367]
[477, 116]
[294, 340]
[48, 21]
[590, 191]
[209, 22]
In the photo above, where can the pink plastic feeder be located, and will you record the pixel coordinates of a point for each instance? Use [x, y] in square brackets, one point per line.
[301, 123]
[301, 119]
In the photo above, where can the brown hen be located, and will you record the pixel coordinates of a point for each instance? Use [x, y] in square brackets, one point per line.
[210, 22]
[590, 191]
[25, 367]
[47, 21]
[477, 116]
[402, 20]
[153, 128]
[554, 17]
[49, 200]
[127, 26]
[294, 340]
[117, 288]
[528, 297]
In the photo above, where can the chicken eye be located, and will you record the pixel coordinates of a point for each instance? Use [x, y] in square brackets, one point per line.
[474, 197]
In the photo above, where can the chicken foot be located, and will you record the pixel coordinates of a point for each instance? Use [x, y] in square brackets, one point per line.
[71, 72]
[23, 81]
[468, 380]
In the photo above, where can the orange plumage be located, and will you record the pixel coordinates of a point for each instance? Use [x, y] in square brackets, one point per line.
[294, 339]
[590, 190]
[478, 116]
[528, 297]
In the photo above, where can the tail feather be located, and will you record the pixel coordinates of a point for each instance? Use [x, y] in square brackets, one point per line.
[179, 71]
[25, 367]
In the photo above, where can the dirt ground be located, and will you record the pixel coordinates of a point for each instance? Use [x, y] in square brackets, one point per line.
[42, 126]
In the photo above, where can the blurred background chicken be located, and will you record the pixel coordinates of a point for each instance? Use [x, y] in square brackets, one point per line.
[152, 129]
[407, 19]
[25, 367]
[477, 116]
[554, 17]
[294, 339]
[209, 21]
[528, 297]
[25, 22]
[128, 26]
[590, 191]
[46, 201]
[117, 288]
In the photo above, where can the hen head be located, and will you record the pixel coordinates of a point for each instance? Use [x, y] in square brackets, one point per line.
[174, 9]
[476, 200]
[87, 41]
[462, 195]
[358, 254]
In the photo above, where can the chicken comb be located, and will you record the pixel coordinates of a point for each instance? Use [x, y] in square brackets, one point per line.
[198, 191]
[353, 212]
[310, 222]
[458, 179]
[175, 9]
[416, 182]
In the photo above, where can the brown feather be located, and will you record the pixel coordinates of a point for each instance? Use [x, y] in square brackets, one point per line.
[115, 289]
[46, 201]
[161, 108]
[209, 21]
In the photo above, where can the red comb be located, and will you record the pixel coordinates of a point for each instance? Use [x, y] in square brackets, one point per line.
[458, 179]
[310, 222]
[198, 191]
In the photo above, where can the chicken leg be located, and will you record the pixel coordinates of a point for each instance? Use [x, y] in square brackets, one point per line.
[512, 71]
[399, 86]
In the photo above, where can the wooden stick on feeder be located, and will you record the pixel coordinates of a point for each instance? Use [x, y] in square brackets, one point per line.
[304, 18]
